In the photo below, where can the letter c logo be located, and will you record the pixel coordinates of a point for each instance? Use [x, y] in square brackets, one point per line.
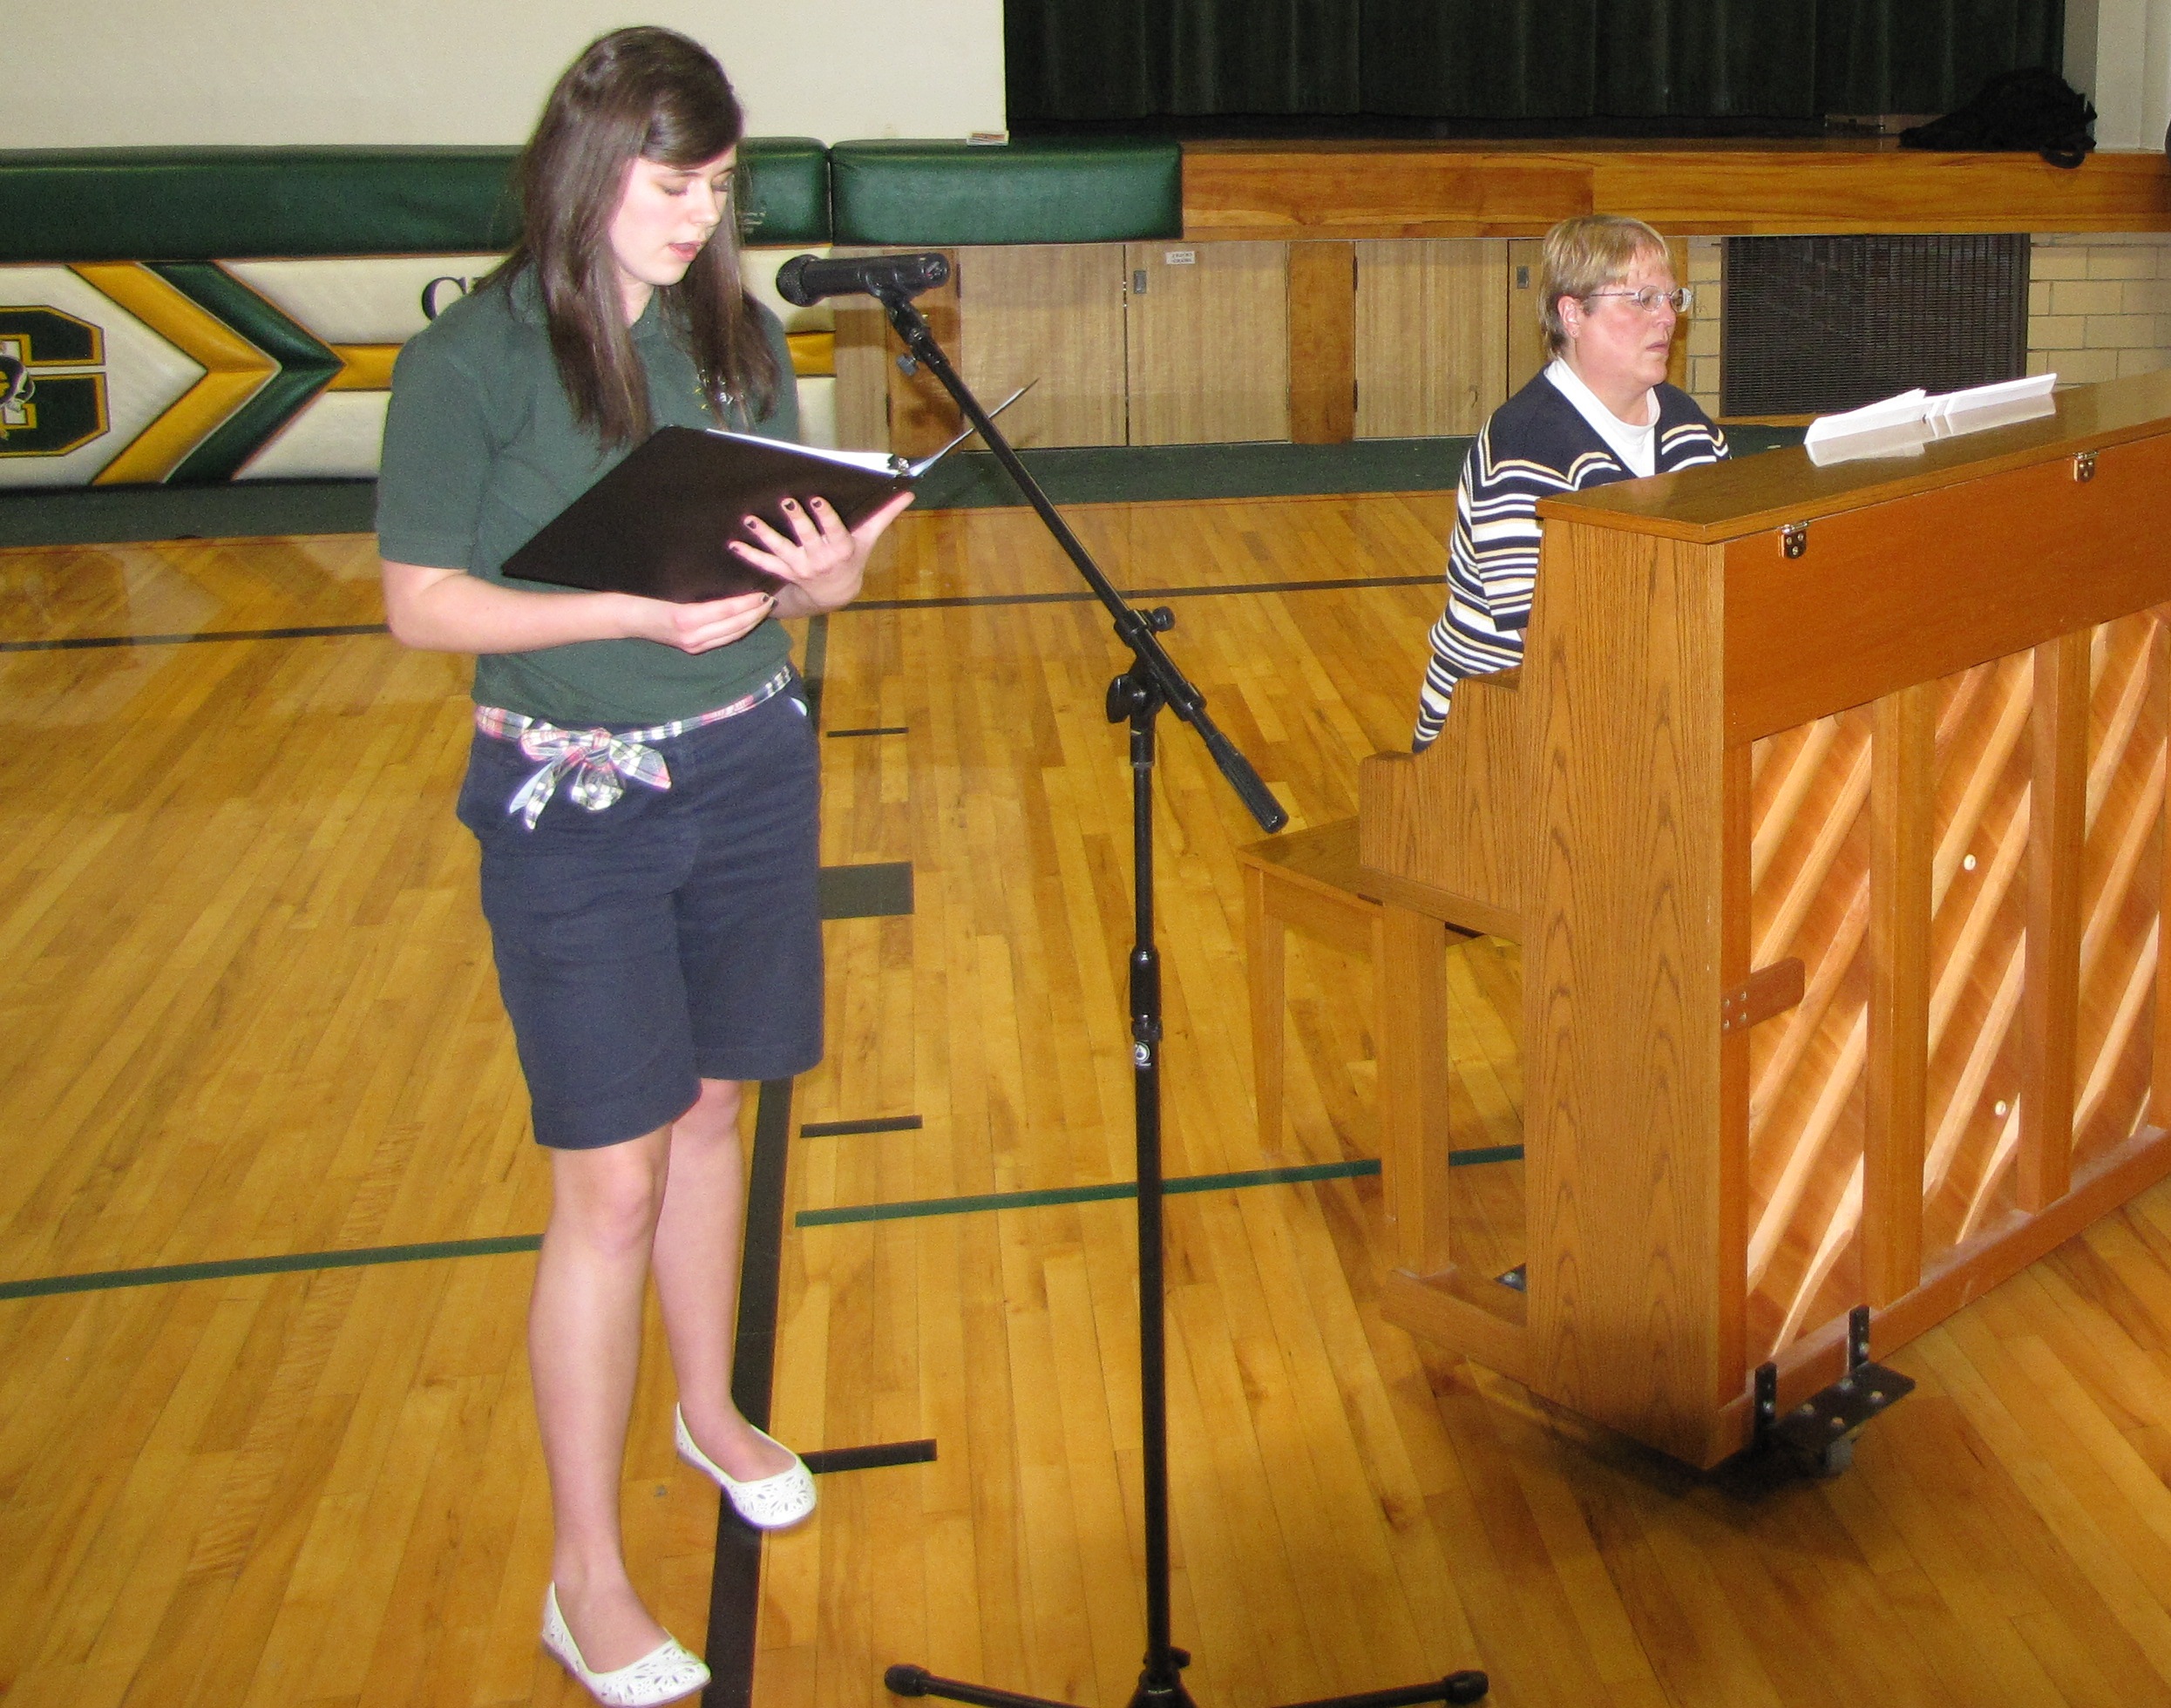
[433, 297]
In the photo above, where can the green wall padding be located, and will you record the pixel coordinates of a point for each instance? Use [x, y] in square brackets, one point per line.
[1032, 192]
[785, 193]
[237, 204]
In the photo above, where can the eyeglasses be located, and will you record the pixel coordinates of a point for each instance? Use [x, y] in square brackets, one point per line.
[1649, 298]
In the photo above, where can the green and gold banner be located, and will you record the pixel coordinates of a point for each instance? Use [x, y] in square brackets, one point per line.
[193, 371]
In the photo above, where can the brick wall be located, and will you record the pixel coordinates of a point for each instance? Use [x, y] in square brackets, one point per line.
[1706, 257]
[2099, 306]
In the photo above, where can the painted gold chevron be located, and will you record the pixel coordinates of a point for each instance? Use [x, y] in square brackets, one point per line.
[234, 369]
[813, 353]
[368, 367]
[363, 367]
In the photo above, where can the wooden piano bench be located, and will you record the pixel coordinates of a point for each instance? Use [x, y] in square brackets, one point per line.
[1306, 881]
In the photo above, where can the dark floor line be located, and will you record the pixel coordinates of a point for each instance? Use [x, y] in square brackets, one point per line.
[817, 627]
[881, 890]
[735, 1583]
[1109, 1191]
[1101, 1192]
[872, 729]
[45, 1286]
[1080, 596]
[365, 1256]
[823, 1461]
[89, 642]
[838, 1129]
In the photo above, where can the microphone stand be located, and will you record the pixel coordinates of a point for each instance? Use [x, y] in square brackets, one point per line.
[1136, 696]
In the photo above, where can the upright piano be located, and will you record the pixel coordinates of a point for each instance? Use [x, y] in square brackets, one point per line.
[1827, 808]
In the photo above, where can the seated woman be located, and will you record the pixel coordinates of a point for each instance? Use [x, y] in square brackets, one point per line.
[1601, 411]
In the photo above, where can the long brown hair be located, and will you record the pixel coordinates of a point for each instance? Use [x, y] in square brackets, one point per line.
[641, 93]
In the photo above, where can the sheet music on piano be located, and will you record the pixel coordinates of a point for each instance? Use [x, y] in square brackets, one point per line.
[1901, 426]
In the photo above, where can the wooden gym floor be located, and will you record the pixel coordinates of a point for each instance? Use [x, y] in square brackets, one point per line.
[268, 1203]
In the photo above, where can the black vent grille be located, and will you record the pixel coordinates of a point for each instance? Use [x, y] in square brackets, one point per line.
[1813, 324]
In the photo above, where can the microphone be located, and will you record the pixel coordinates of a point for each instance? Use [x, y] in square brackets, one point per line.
[804, 279]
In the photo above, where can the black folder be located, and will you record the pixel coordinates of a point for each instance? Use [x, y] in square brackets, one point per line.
[661, 523]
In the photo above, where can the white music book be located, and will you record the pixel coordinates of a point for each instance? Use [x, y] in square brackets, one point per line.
[1900, 426]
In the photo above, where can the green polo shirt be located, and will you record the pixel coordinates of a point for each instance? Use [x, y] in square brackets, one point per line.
[481, 450]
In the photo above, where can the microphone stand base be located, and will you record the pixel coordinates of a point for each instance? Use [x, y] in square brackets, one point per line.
[1457, 1688]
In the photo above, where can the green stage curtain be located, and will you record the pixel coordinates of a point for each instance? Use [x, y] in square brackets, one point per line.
[1081, 60]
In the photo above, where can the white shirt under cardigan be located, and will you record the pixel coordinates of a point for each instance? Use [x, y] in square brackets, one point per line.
[1637, 447]
[1541, 442]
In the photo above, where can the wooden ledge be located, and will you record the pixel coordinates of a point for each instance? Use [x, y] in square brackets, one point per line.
[1689, 189]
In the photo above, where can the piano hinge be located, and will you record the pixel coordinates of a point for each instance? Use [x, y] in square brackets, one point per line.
[1793, 539]
[2084, 465]
[1769, 990]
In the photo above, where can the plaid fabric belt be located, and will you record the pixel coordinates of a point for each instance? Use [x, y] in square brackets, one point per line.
[600, 762]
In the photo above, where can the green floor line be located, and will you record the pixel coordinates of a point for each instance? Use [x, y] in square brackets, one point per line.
[364, 1257]
[911, 1209]
[360, 1257]
[1078, 1194]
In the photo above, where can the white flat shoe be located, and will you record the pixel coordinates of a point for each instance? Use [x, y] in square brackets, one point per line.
[767, 1503]
[664, 1674]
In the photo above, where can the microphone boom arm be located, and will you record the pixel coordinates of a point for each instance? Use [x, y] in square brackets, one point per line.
[1139, 630]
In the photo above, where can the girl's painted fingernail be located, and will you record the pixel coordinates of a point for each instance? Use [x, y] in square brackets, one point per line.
[746, 521]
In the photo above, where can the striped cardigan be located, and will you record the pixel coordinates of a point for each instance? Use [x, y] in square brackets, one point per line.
[1534, 445]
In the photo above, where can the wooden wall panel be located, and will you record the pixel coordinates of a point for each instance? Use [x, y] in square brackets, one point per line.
[1431, 321]
[1208, 342]
[863, 382]
[1052, 314]
[1525, 331]
[878, 406]
[1322, 343]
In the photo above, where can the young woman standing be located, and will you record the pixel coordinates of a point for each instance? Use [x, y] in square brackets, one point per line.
[642, 783]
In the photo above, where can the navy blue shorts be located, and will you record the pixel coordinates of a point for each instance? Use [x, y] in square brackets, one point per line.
[675, 936]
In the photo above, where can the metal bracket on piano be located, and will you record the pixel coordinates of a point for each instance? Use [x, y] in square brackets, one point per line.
[1818, 1435]
[1769, 990]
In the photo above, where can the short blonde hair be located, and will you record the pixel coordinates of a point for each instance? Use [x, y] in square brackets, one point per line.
[1585, 255]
